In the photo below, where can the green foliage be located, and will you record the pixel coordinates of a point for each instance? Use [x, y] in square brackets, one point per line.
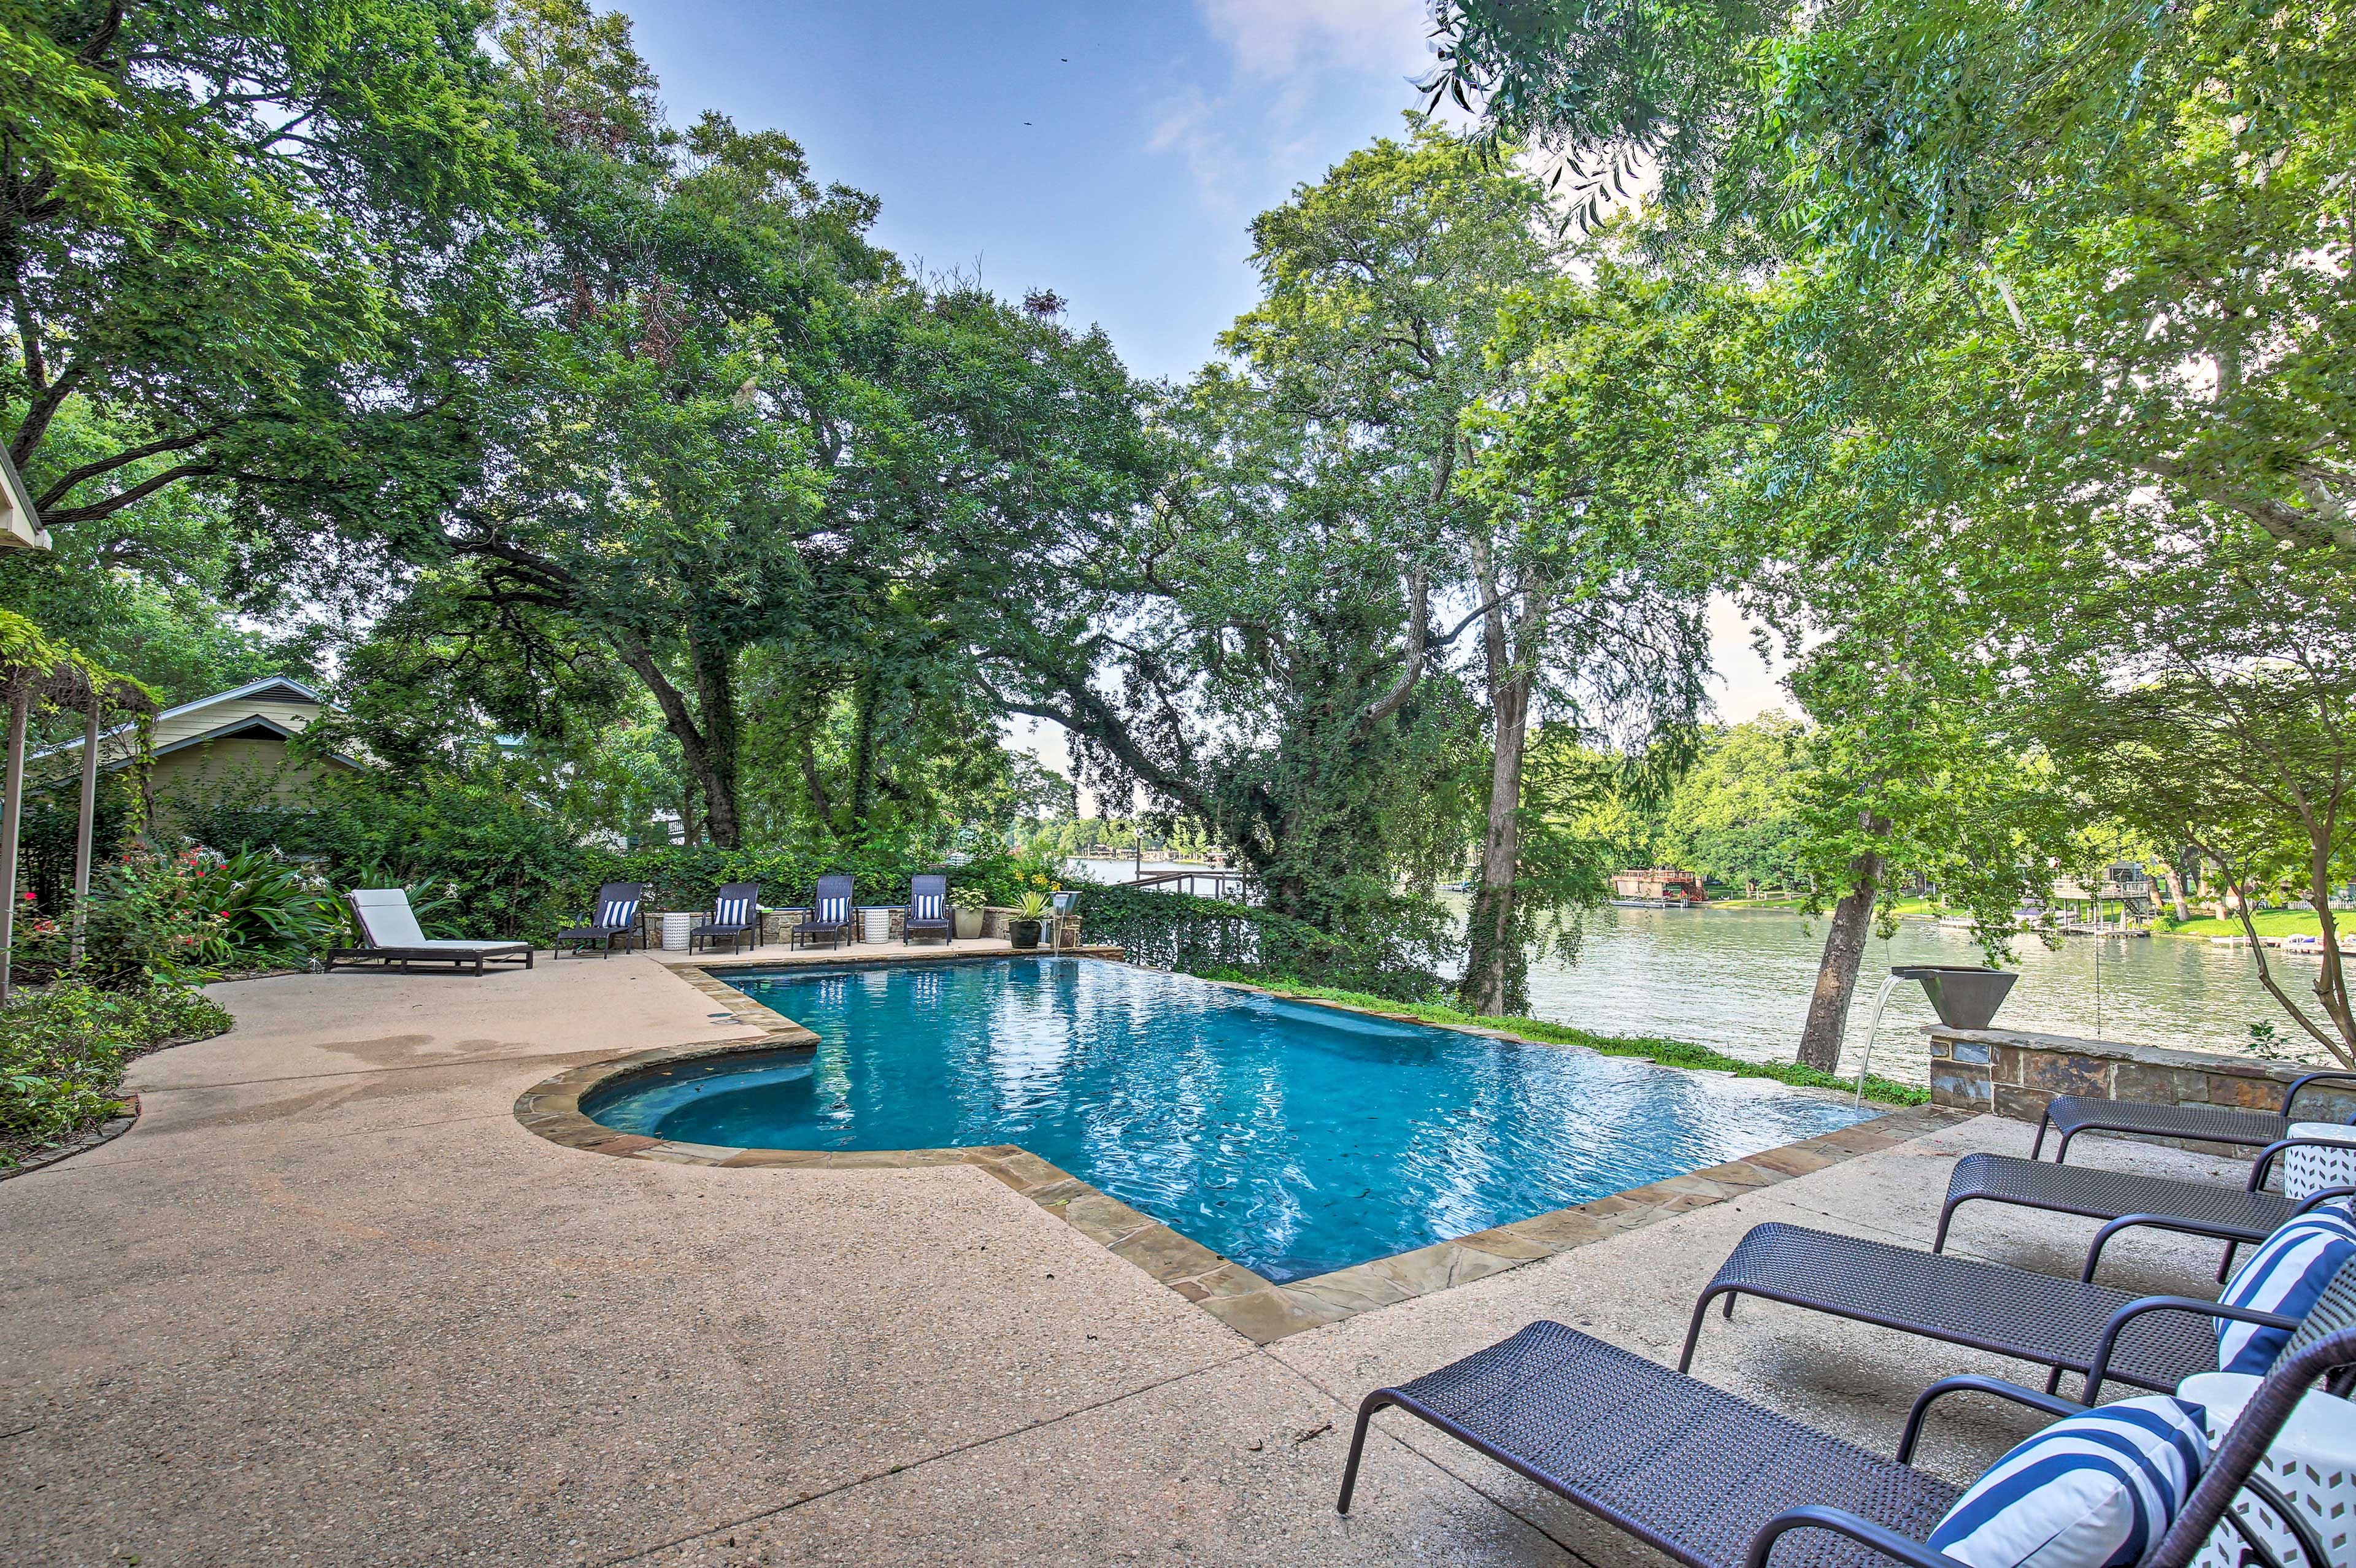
[63, 1048]
[1736, 817]
[1206, 937]
[1668, 1052]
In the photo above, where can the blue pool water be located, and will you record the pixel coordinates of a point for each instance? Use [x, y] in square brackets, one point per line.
[1291, 1138]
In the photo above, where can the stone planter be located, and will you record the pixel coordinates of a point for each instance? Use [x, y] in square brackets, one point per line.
[1022, 933]
[965, 924]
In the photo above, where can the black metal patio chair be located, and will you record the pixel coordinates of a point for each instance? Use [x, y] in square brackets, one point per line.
[928, 909]
[615, 918]
[2127, 1200]
[1715, 1481]
[736, 914]
[2065, 1325]
[2075, 1114]
[830, 914]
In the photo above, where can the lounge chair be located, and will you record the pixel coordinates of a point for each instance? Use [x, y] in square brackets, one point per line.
[615, 918]
[735, 913]
[388, 926]
[928, 909]
[1714, 1481]
[2128, 1201]
[2075, 1114]
[2066, 1325]
[830, 914]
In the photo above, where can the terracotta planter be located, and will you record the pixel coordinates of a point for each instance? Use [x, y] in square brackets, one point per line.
[1022, 933]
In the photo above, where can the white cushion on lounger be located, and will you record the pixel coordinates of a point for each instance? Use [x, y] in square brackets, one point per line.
[2095, 1490]
[385, 917]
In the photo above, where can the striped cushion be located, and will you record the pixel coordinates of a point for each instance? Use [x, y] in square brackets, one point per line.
[2096, 1490]
[2286, 1274]
[927, 906]
[618, 912]
[833, 912]
[732, 912]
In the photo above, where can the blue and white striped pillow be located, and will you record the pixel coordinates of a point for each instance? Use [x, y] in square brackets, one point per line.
[928, 906]
[2286, 1274]
[732, 912]
[2096, 1490]
[833, 911]
[618, 912]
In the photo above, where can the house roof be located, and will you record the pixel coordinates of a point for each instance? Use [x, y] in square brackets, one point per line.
[20, 523]
[233, 727]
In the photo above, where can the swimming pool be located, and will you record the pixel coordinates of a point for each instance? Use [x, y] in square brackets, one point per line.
[1292, 1138]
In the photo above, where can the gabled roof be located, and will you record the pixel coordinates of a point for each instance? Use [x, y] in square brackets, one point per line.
[272, 687]
[251, 726]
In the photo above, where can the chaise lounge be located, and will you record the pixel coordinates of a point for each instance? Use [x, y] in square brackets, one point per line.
[2073, 1114]
[388, 926]
[736, 914]
[928, 909]
[615, 918]
[1715, 1481]
[830, 913]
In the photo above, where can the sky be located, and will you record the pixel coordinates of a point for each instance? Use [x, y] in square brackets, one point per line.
[1113, 153]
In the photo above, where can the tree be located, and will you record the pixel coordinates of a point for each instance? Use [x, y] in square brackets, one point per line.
[240, 246]
[2209, 698]
[1735, 817]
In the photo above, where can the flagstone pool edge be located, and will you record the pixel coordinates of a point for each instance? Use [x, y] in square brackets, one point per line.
[1247, 1302]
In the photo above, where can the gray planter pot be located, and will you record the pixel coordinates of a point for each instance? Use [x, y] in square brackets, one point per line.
[965, 923]
[1965, 995]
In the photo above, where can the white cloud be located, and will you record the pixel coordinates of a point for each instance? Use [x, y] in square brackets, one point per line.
[1276, 37]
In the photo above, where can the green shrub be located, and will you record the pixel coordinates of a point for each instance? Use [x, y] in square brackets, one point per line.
[63, 1048]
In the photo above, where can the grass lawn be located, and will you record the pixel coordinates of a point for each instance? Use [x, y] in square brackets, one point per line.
[2272, 922]
[1668, 1052]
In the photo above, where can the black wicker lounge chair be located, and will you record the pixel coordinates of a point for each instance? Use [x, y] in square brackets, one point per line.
[2067, 1324]
[2075, 1114]
[390, 931]
[2128, 1201]
[615, 918]
[736, 914]
[830, 914]
[928, 909]
[1716, 1482]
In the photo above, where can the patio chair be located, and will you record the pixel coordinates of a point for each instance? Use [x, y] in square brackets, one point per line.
[1715, 1481]
[830, 914]
[2065, 1325]
[2075, 1114]
[2127, 1200]
[736, 914]
[928, 909]
[389, 927]
[615, 918]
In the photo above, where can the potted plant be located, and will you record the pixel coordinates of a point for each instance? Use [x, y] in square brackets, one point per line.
[966, 913]
[1022, 930]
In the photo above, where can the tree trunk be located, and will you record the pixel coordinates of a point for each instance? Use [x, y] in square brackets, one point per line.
[862, 753]
[1820, 1042]
[708, 749]
[1496, 966]
[2175, 893]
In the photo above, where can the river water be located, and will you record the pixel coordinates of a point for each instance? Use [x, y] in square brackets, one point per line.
[1738, 980]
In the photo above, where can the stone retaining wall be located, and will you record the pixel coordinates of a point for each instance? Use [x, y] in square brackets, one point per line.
[2016, 1073]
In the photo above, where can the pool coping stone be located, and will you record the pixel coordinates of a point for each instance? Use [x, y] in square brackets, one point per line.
[1261, 1309]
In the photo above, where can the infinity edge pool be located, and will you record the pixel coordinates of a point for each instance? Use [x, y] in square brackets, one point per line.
[1260, 1308]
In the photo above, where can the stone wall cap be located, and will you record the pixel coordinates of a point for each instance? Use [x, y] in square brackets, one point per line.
[2120, 1050]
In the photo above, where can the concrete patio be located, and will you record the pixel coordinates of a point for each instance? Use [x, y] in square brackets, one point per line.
[329, 1303]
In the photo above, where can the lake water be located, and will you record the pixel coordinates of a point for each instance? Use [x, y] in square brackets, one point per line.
[1738, 980]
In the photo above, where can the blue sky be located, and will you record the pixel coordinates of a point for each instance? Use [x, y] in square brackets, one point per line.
[1113, 153]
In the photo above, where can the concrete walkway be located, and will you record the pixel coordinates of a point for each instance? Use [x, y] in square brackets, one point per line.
[327, 1303]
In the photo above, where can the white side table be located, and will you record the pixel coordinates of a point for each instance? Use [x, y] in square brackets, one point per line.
[675, 928]
[876, 925]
